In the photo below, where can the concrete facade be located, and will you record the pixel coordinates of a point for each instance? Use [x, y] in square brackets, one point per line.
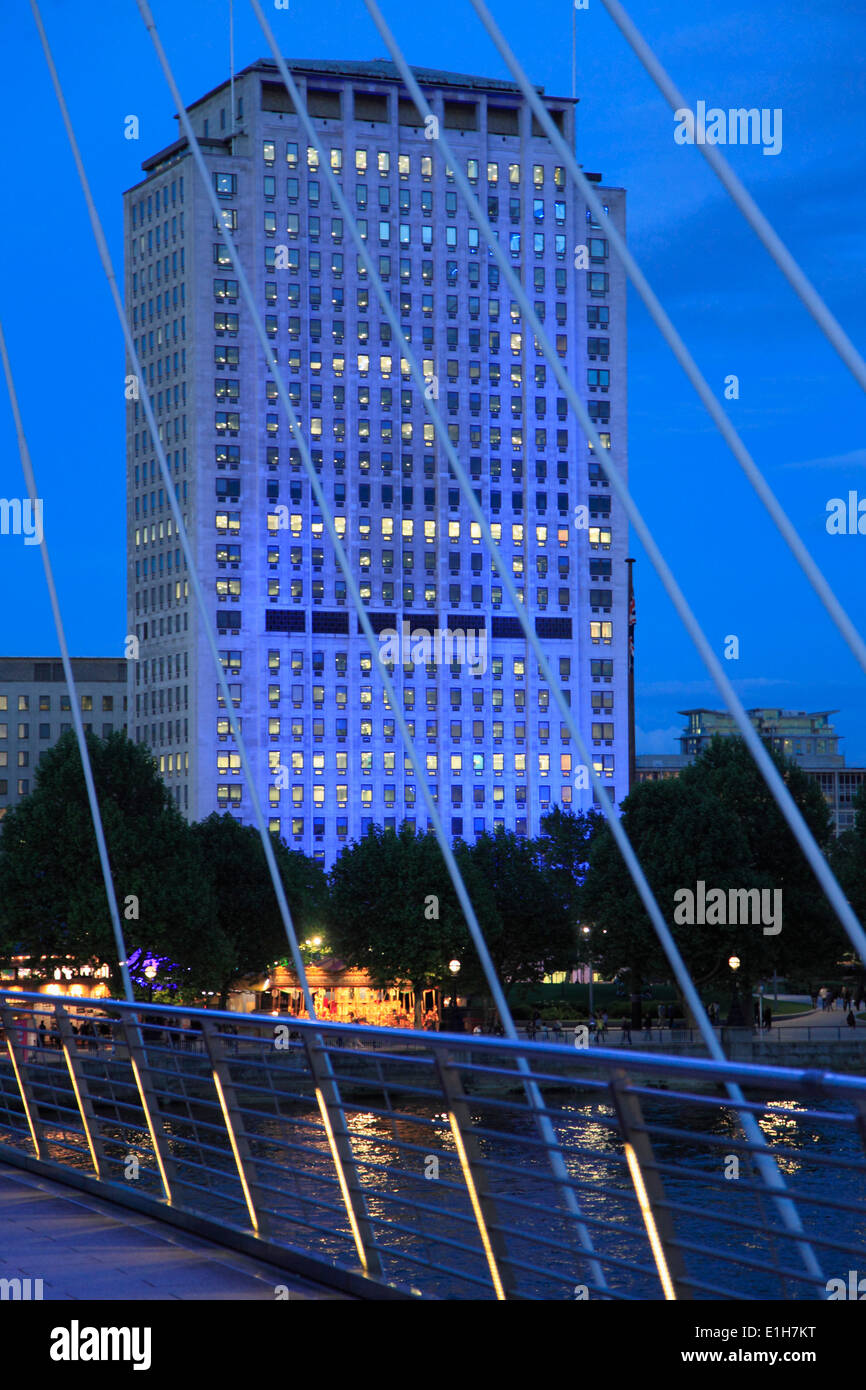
[325, 754]
[35, 710]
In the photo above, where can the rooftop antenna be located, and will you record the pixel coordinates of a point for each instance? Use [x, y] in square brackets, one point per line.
[232, 64]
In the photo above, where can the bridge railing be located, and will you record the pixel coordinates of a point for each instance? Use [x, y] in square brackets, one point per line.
[678, 1034]
[416, 1160]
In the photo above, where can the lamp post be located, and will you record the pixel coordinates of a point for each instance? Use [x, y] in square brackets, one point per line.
[735, 1012]
[586, 932]
[454, 967]
[150, 976]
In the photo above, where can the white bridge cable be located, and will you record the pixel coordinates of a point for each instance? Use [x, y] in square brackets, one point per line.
[105, 258]
[767, 1166]
[802, 286]
[74, 702]
[766, 765]
[546, 1130]
[674, 339]
[366, 1248]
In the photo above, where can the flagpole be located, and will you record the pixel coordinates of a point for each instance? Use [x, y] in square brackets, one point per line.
[632, 763]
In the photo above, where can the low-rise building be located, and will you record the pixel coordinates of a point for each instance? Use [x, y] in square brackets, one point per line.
[36, 708]
[809, 739]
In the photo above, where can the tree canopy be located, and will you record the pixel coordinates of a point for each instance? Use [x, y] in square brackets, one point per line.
[246, 932]
[393, 909]
[52, 894]
[717, 823]
[523, 918]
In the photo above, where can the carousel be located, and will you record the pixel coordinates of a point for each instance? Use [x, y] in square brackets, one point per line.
[340, 995]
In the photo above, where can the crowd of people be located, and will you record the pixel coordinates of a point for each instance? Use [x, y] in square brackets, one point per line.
[846, 999]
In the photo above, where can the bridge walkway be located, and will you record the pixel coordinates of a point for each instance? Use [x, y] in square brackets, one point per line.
[84, 1248]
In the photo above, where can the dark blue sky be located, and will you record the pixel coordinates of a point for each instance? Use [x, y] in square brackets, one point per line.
[800, 413]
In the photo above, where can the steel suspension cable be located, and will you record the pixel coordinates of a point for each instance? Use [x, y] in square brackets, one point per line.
[549, 1137]
[93, 799]
[768, 768]
[105, 258]
[768, 1167]
[789, 1215]
[802, 286]
[674, 339]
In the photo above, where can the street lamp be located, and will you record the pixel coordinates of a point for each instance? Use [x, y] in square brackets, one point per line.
[586, 931]
[454, 967]
[735, 1012]
[150, 976]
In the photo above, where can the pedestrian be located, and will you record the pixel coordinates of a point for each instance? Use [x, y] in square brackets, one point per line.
[814, 997]
[851, 1020]
[40, 1036]
[648, 1028]
[602, 1027]
[593, 1028]
[626, 1032]
[557, 1030]
[768, 1018]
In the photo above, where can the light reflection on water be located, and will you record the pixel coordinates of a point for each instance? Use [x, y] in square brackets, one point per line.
[419, 1188]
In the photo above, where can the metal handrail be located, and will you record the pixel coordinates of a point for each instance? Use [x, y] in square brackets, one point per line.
[644, 1136]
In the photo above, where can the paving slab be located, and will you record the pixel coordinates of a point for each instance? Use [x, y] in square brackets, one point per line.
[84, 1248]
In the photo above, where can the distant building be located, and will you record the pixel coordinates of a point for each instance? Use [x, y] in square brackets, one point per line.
[809, 739]
[35, 709]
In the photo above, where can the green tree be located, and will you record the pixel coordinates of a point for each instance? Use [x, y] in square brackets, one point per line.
[246, 932]
[563, 849]
[716, 822]
[52, 895]
[523, 918]
[393, 910]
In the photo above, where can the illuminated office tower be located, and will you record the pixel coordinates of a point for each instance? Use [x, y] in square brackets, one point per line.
[325, 753]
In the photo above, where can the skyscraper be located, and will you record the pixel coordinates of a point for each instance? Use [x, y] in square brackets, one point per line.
[322, 741]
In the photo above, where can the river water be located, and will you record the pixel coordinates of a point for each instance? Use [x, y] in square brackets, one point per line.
[413, 1181]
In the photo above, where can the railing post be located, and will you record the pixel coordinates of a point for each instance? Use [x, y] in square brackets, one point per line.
[233, 1120]
[149, 1101]
[74, 1057]
[648, 1185]
[21, 1068]
[342, 1154]
[475, 1177]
